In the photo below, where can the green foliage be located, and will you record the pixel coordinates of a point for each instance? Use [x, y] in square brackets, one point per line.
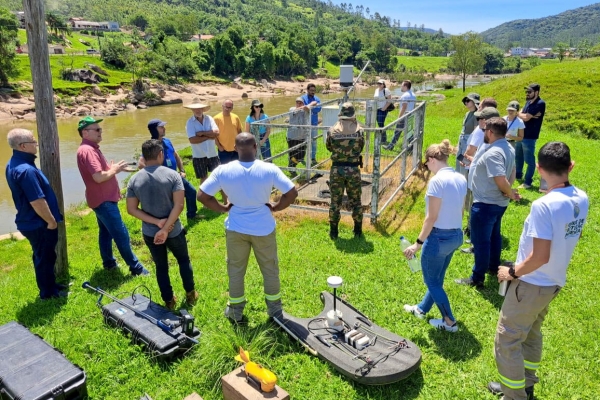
[8, 38]
[569, 26]
[114, 52]
[560, 49]
[139, 20]
[422, 64]
[468, 58]
[494, 59]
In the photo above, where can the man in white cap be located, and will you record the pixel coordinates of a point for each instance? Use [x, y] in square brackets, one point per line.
[202, 132]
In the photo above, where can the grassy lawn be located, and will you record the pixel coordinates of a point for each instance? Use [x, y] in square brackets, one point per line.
[423, 64]
[377, 282]
[57, 62]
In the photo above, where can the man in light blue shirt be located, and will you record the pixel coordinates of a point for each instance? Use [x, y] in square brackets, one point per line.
[313, 103]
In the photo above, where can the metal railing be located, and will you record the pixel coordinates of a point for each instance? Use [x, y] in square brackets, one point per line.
[307, 162]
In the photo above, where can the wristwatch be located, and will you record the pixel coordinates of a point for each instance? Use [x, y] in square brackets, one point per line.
[419, 241]
[511, 272]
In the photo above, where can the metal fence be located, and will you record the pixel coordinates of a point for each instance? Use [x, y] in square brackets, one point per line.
[307, 162]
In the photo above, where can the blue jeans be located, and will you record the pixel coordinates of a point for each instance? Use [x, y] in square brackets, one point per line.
[265, 149]
[313, 151]
[111, 228]
[486, 220]
[179, 248]
[190, 198]
[227, 156]
[43, 243]
[525, 153]
[381, 116]
[436, 254]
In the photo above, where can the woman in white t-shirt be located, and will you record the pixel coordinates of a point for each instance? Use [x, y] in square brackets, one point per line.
[515, 125]
[382, 94]
[440, 235]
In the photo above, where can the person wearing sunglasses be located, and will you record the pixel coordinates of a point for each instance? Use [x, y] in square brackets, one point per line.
[38, 214]
[260, 132]
[533, 115]
[102, 194]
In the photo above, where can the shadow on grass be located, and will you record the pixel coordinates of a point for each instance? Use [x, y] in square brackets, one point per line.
[455, 347]
[354, 245]
[109, 279]
[405, 389]
[40, 312]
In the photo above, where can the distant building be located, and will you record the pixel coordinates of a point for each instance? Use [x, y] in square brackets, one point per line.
[522, 52]
[197, 38]
[80, 24]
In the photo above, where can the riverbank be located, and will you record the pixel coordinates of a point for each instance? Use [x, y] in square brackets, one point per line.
[97, 101]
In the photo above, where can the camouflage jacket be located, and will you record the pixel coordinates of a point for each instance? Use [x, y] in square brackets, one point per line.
[346, 141]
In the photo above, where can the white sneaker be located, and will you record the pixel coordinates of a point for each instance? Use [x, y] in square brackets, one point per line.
[414, 310]
[441, 325]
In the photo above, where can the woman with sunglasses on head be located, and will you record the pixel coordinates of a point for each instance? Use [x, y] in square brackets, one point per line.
[260, 132]
[440, 235]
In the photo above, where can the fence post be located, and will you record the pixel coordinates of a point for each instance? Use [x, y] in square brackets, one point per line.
[369, 124]
[375, 182]
[309, 143]
[418, 136]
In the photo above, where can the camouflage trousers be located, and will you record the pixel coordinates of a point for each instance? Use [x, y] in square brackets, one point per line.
[347, 178]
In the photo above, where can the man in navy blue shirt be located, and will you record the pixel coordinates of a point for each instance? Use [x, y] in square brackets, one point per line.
[313, 104]
[172, 160]
[38, 214]
[533, 116]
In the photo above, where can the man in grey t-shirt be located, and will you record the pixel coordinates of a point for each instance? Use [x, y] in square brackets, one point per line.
[161, 194]
[492, 176]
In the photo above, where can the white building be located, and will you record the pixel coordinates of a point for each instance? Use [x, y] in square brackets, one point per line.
[522, 51]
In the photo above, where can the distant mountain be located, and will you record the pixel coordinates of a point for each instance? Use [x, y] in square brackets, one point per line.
[569, 27]
[426, 30]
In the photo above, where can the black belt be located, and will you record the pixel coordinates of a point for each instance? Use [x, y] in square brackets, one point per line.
[345, 164]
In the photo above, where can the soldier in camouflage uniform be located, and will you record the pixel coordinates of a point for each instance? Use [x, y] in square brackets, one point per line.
[346, 141]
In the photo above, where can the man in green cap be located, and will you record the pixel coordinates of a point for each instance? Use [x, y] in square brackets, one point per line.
[102, 194]
[346, 141]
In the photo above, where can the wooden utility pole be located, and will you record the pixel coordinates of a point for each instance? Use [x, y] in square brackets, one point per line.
[37, 41]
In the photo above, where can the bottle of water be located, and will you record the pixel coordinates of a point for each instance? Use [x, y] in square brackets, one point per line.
[414, 264]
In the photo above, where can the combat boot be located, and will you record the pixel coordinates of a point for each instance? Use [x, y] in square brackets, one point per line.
[333, 230]
[357, 229]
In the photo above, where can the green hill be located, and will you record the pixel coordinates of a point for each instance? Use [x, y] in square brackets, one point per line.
[569, 27]
[569, 89]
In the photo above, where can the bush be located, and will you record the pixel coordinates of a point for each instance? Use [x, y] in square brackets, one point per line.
[299, 78]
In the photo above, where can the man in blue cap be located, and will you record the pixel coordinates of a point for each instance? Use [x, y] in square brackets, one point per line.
[172, 160]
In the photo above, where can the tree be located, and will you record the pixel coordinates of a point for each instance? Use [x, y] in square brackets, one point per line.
[583, 48]
[560, 49]
[494, 59]
[140, 21]
[468, 58]
[9, 27]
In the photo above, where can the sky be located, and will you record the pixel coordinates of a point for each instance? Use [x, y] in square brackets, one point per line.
[458, 16]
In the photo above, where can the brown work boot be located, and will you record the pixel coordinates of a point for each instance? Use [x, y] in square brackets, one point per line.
[171, 304]
[191, 297]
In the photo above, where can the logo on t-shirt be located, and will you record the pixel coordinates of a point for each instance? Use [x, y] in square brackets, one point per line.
[573, 228]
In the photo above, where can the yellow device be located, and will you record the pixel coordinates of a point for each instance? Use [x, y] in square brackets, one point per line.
[256, 373]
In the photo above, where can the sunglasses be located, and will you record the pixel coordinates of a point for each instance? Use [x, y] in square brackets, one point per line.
[480, 119]
[92, 129]
[260, 106]
[529, 91]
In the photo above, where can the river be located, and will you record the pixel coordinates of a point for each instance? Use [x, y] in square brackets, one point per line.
[123, 135]
[122, 138]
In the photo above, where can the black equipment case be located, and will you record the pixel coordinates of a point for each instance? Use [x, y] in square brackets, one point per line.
[159, 343]
[31, 369]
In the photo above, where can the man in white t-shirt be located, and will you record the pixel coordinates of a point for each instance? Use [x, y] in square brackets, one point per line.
[550, 234]
[202, 131]
[407, 104]
[248, 183]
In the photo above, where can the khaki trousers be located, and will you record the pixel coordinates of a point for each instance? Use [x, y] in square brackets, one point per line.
[238, 253]
[518, 343]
